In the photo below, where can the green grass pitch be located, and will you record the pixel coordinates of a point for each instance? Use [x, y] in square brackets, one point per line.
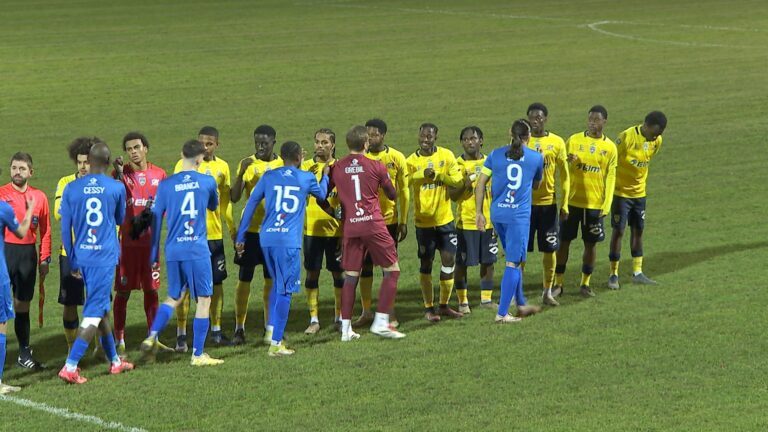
[688, 354]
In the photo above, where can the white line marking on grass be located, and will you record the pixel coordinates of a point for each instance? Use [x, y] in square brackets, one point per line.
[67, 414]
[595, 26]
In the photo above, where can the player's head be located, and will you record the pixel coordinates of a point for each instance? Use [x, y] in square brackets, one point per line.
[653, 125]
[472, 140]
[325, 144]
[427, 138]
[209, 136]
[357, 139]
[596, 120]
[377, 130]
[99, 157]
[291, 153]
[537, 116]
[519, 134]
[193, 152]
[78, 151]
[264, 138]
[21, 168]
[136, 145]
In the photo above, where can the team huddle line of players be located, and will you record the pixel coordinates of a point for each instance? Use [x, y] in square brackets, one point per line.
[349, 212]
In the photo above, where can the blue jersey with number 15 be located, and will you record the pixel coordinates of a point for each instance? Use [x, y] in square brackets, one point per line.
[183, 198]
[512, 183]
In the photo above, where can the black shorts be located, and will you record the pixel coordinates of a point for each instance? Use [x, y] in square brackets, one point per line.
[393, 232]
[71, 289]
[218, 261]
[442, 238]
[546, 227]
[628, 210]
[315, 248]
[476, 247]
[22, 269]
[253, 255]
[590, 222]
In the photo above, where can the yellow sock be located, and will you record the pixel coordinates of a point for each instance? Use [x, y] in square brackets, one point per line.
[70, 335]
[585, 279]
[312, 302]
[614, 268]
[217, 305]
[637, 265]
[522, 266]
[559, 279]
[242, 294]
[366, 292]
[337, 302]
[446, 288]
[427, 291]
[485, 296]
[182, 312]
[265, 297]
[462, 295]
[549, 261]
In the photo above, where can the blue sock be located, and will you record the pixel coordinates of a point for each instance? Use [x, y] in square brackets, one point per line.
[164, 313]
[280, 312]
[108, 343]
[519, 295]
[200, 329]
[272, 302]
[508, 288]
[2, 355]
[79, 347]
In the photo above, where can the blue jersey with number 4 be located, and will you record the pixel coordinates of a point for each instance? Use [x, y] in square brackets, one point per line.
[92, 207]
[512, 183]
[284, 191]
[183, 198]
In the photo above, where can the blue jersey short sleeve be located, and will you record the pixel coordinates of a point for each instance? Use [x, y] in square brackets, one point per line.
[285, 201]
[512, 184]
[184, 198]
[7, 220]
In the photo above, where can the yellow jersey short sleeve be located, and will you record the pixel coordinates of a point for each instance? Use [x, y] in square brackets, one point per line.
[63, 182]
[634, 160]
[252, 176]
[596, 161]
[398, 174]
[552, 148]
[431, 203]
[318, 223]
[465, 206]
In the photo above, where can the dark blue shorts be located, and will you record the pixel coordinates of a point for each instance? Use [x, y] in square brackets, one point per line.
[71, 289]
[588, 220]
[442, 238]
[476, 247]
[315, 248]
[545, 226]
[218, 261]
[628, 210]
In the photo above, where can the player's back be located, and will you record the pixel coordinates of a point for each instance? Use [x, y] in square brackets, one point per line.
[512, 183]
[184, 199]
[95, 205]
[357, 180]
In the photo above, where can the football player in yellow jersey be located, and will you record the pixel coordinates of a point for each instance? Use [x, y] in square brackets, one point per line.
[395, 212]
[545, 225]
[219, 170]
[474, 247]
[71, 289]
[322, 234]
[636, 147]
[249, 172]
[432, 170]
[592, 158]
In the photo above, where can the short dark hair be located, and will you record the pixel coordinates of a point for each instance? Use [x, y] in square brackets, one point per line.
[290, 151]
[474, 129]
[265, 130]
[210, 131]
[600, 110]
[537, 106]
[328, 132]
[356, 138]
[378, 124]
[192, 149]
[656, 118]
[130, 136]
[81, 146]
[428, 125]
[22, 157]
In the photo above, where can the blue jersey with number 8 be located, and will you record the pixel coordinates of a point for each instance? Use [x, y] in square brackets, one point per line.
[512, 183]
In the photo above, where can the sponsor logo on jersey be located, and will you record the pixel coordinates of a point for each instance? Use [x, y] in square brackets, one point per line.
[587, 168]
[155, 182]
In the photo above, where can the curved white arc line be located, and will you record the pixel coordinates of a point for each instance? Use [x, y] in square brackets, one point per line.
[595, 26]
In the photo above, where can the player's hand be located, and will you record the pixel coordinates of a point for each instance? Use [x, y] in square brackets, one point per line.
[118, 164]
[240, 248]
[572, 158]
[77, 274]
[155, 267]
[327, 170]
[244, 164]
[429, 173]
[313, 169]
[563, 214]
[43, 269]
[31, 204]
[233, 236]
[480, 222]
[402, 232]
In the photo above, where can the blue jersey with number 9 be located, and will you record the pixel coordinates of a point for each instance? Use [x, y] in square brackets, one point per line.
[512, 183]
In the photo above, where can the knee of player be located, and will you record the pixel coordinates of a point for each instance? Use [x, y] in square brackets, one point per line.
[393, 267]
[447, 269]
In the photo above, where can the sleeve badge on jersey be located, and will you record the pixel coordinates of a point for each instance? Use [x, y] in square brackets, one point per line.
[604, 153]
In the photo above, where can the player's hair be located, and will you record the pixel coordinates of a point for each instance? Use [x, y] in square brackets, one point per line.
[210, 131]
[331, 134]
[99, 155]
[265, 130]
[356, 138]
[22, 157]
[520, 129]
[428, 125]
[290, 151]
[81, 146]
[600, 110]
[130, 136]
[537, 106]
[378, 124]
[192, 149]
[474, 129]
[656, 118]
